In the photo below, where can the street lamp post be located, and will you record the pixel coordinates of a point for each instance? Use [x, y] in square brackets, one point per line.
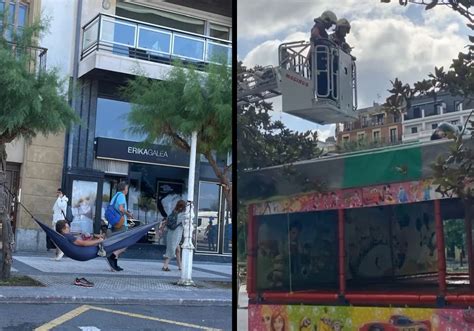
[188, 247]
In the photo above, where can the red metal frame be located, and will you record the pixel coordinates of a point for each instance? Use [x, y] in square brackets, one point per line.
[251, 253]
[367, 298]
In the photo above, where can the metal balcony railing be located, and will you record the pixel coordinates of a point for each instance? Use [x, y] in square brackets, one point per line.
[131, 38]
[35, 57]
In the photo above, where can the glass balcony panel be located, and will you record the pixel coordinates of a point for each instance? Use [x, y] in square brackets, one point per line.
[187, 47]
[218, 52]
[118, 32]
[154, 40]
[90, 35]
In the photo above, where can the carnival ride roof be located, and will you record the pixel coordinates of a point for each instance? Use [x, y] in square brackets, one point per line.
[401, 163]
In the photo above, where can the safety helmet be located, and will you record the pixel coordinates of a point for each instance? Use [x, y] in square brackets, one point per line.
[329, 17]
[343, 23]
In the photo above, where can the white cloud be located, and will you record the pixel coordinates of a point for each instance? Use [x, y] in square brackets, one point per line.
[385, 49]
[266, 18]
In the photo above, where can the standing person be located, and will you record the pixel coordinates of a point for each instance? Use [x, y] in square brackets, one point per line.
[343, 27]
[210, 234]
[120, 204]
[59, 214]
[321, 24]
[174, 222]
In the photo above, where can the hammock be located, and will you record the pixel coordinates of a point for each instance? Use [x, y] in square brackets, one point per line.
[110, 244]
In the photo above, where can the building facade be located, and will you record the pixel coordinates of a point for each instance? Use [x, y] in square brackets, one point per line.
[373, 128]
[426, 113]
[103, 45]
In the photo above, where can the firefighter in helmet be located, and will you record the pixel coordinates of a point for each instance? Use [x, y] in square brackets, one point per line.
[343, 27]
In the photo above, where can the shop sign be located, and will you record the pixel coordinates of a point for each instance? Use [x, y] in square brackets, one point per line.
[115, 149]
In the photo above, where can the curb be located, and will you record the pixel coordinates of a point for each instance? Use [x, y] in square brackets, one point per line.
[116, 301]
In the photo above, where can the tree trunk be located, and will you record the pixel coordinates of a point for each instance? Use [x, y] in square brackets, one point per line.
[223, 179]
[7, 235]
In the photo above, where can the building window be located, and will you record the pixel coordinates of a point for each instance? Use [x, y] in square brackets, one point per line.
[111, 120]
[457, 106]
[456, 122]
[376, 135]
[393, 135]
[14, 22]
[417, 112]
[360, 136]
[159, 17]
[414, 129]
[219, 31]
[434, 126]
[345, 139]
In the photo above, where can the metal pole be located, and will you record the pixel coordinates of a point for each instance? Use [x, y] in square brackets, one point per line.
[188, 247]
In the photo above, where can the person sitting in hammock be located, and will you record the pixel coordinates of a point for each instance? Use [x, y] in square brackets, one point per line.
[62, 227]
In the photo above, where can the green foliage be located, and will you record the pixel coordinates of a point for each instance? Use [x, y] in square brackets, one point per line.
[186, 101]
[33, 100]
[454, 234]
[453, 173]
[262, 142]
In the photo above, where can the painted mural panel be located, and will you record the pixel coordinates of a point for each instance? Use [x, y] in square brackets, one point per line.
[332, 318]
[379, 195]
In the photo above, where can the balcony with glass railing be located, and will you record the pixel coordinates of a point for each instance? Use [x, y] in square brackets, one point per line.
[153, 43]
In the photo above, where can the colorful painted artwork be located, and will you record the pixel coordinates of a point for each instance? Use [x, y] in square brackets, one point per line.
[384, 242]
[332, 318]
[380, 195]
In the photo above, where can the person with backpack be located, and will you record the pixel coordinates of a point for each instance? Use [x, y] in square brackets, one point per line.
[117, 216]
[59, 214]
[174, 222]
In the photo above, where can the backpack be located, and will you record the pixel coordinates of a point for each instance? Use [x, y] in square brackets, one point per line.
[172, 222]
[112, 215]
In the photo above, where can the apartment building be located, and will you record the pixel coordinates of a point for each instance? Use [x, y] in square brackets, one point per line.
[98, 45]
[373, 128]
[426, 113]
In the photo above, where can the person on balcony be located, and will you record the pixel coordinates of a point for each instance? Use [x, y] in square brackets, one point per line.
[343, 28]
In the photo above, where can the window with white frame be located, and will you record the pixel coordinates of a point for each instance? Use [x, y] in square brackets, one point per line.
[376, 135]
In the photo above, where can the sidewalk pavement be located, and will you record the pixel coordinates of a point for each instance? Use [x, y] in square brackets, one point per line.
[141, 282]
[242, 311]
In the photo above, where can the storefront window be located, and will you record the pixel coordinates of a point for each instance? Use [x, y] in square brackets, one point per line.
[208, 222]
[111, 120]
[83, 204]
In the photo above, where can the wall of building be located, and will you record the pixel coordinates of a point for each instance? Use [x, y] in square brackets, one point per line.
[41, 176]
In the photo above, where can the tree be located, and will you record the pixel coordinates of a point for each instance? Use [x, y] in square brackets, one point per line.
[33, 102]
[453, 173]
[187, 101]
[261, 143]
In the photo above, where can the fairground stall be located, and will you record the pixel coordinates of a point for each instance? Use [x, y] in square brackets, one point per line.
[356, 242]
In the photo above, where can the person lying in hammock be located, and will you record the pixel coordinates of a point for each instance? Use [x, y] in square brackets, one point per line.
[62, 227]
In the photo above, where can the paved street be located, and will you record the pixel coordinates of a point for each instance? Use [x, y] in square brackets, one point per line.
[112, 317]
[142, 297]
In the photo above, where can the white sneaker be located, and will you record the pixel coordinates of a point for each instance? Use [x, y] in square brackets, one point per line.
[59, 257]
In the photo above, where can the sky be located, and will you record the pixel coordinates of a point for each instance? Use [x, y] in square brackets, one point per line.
[388, 41]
